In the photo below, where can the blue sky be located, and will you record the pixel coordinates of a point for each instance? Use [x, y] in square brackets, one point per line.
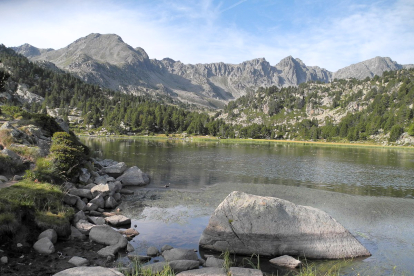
[329, 34]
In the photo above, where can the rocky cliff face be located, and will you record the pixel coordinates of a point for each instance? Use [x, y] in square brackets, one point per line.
[108, 61]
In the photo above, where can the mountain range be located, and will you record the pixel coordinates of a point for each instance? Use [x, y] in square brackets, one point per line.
[106, 60]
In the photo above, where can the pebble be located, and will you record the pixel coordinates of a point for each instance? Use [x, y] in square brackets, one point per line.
[4, 260]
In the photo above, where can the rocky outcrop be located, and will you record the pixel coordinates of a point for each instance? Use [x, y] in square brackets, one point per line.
[268, 226]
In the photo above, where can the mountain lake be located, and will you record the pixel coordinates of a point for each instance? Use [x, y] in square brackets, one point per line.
[369, 190]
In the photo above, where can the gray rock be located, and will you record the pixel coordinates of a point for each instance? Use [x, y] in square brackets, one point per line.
[89, 186]
[100, 179]
[117, 196]
[85, 175]
[14, 156]
[129, 233]
[205, 271]
[134, 176]
[152, 251]
[139, 258]
[155, 267]
[126, 192]
[80, 205]
[166, 247]
[50, 234]
[99, 200]
[84, 226]
[110, 203]
[91, 207]
[214, 262]
[17, 178]
[76, 234]
[183, 265]
[179, 254]
[95, 213]
[118, 186]
[70, 199]
[130, 248]
[96, 220]
[101, 189]
[249, 224]
[104, 234]
[4, 260]
[115, 169]
[78, 261]
[44, 246]
[3, 178]
[78, 216]
[90, 271]
[241, 271]
[85, 200]
[286, 261]
[81, 193]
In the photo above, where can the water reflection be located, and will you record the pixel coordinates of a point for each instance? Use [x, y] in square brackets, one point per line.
[360, 171]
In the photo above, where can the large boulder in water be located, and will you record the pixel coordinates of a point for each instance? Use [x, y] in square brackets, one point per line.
[250, 224]
[134, 176]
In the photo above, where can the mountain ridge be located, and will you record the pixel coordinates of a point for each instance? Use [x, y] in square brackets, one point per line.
[106, 60]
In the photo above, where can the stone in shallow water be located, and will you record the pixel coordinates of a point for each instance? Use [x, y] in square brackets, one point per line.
[269, 226]
[205, 271]
[118, 220]
[241, 271]
[179, 254]
[286, 261]
[90, 271]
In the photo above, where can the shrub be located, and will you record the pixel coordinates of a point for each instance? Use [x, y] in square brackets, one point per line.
[68, 153]
[45, 171]
[44, 121]
[411, 130]
[395, 133]
[6, 139]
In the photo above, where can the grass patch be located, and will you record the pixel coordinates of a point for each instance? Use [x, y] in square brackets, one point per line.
[45, 200]
[140, 270]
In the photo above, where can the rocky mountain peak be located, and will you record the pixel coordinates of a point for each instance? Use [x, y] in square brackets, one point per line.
[30, 51]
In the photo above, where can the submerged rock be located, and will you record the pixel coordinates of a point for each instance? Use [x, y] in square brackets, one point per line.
[249, 224]
[241, 271]
[179, 254]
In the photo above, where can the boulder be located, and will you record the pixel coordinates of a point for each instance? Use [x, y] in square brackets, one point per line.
[78, 261]
[100, 179]
[50, 234]
[96, 220]
[100, 189]
[84, 175]
[129, 233]
[241, 271]
[166, 247]
[117, 196]
[78, 216]
[90, 271]
[89, 186]
[214, 262]
[183, 265]
[4, 260]
[81, 193]
[110, 202]
[84, 226]
[14, 156]
[3, 179]
[99, 200]
[17, 177]
[70, 199]
[118, 186]
[205, 271]
[179, 254]
[91, 207]
[134, 176]
[104, 234]
[126, 192]
[286, 261]
[249, 224]
[152, 251]
[44, 246]
[130, 248]
[116, 169]
[80, 204]
[76, 234]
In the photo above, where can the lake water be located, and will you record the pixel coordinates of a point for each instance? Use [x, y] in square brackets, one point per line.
[368, 190]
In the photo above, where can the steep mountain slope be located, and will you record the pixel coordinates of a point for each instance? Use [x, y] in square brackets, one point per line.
[108, 61]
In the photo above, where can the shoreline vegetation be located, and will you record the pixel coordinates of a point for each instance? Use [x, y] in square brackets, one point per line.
[178, 137]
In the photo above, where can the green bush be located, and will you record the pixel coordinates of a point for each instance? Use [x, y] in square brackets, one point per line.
[45, 171]
[395, 133]
[43, 121]
[411, 130]
[68, 153]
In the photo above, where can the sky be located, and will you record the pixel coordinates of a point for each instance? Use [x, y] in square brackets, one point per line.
[325, 33]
